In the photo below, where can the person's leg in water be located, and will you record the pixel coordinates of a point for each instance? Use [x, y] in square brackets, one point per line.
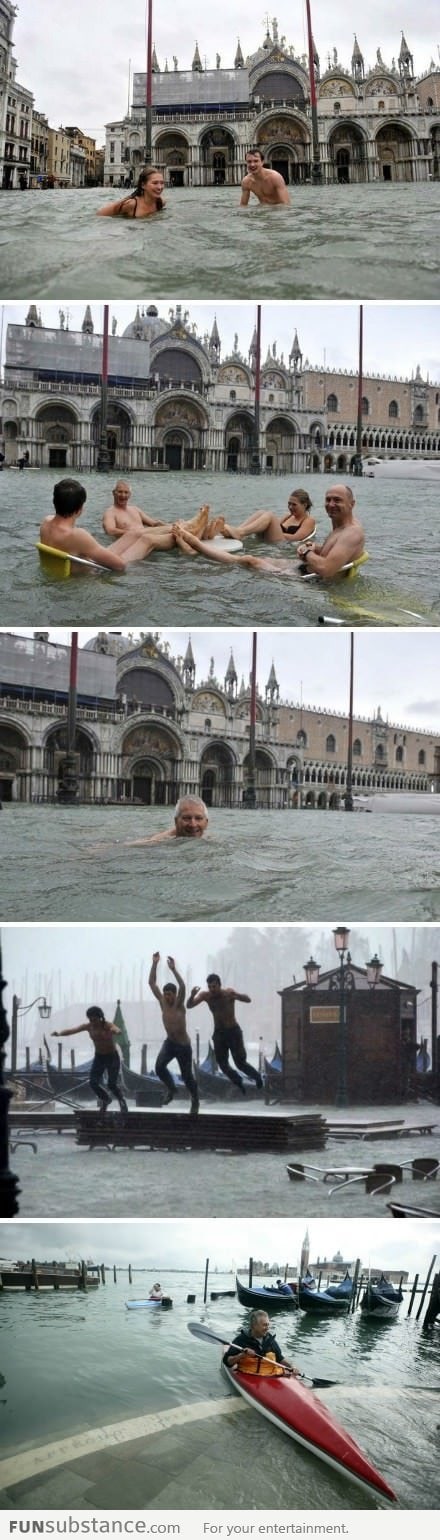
[183, 1054]
[221, 1050]
[166, 1053]
[114, 1080]
[136, 547]
[98, 1069]
[257, 524]
[238, 1051]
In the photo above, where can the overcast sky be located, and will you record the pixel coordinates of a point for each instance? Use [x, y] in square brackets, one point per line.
[75, 58]
[180, 1243]
[398, 670]
[60, 961]
[396, 337]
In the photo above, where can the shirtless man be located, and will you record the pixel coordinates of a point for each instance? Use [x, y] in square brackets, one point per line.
[346, 542]
[228, 1036]
[177, 1044]
[268, 186]
[59, 531]
[106, 1060]
[190, 822]
[123, 515]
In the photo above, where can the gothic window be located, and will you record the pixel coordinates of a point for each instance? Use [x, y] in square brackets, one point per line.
[399, 755]
[393, 409]
[422, 757]
[208, 724]
[301, 739]
[332, 403]
[330, 744]
[365, 406]
[357, 748]
[418, 414]
[232, 395]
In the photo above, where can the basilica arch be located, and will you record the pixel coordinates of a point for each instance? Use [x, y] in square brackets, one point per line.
[217, 774]
[119, 435]
[396, 147]
[281, 445]
[284, 140]
[217, 150]
[179, 432]
[54, 751]
[57, 434]
[172, 154]
[151, 753]
[239, 440]
[266, 776]
[347, 145]
[15, 762]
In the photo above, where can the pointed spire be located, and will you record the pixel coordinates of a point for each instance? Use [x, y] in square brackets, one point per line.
[357, 62]
[215, 334]
[272, 691]
[295, 355]
[87, 325]
[189, 667]
[406, 62]
[33, 318]
[239, 60]
[231, 672]
[197, 63]
[155, 64]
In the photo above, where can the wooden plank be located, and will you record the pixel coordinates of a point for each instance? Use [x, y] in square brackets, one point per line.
[209, 1131]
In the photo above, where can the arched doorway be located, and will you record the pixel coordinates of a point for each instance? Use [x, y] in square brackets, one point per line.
[217, 775]
[172, 154]
[239, 437]
[148, 770]
[14, 754]
[217, 156]
[118, 437]
[179, 434]
[281, 438]
[347, 151]
[265, 777]
[56, 432]
[55, 753]
[395, 152]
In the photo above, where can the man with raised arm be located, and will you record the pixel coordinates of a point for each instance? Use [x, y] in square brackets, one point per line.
[177, 1043]
[106, 1061]
[228, 1037]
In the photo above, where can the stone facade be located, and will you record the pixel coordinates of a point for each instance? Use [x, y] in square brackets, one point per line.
[174, 401]
[16, 104]
[158, 733]
[376, 123]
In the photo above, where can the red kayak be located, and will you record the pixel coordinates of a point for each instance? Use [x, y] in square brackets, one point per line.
[298, 1412]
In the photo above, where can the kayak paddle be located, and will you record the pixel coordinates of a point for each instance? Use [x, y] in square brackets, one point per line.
[204, 1332]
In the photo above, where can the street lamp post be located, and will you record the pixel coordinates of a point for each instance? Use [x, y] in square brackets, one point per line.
[374, 970]
[18, 1009]
[311, 970]
[341, 939]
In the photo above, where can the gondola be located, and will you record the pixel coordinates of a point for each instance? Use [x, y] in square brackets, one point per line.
[321, 1302]
[147, 1089]
[268, 1298]
[274, 1066]
[212, 1082]
[381, 1301]
[341, 1290]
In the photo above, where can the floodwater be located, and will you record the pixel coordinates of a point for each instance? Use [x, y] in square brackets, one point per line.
[399, 583]
[252, 865]
[381, 241]
[65, 1178]
[76, 1362]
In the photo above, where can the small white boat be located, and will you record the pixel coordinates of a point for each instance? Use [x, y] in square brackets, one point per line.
[399, 802]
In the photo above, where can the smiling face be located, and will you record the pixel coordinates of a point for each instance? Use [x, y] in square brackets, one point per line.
[254, 161]
[121, 494]
[191, 820]
[153, 185]
[296, 508]
[339, 503]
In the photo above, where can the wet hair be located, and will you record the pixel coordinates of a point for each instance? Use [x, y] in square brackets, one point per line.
[170, 989]
[302, 497]
[254, 149]
[95, 1013]
[68, 497]
[137, 192]
[194, 800]
[213, 978]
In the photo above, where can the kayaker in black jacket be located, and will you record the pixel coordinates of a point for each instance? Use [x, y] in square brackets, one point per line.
[259, 1340]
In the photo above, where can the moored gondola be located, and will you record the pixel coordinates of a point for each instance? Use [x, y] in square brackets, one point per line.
[380, 1300]
[269, 1298]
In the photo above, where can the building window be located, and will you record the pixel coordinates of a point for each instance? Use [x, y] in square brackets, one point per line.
[330, 744]
[357, 748]
[232, 395]
[301, 739]
[365, 406]
[332, 403]
[207, 724]
[393, 409]
[399, 755]
[419, 414]
[422, 757]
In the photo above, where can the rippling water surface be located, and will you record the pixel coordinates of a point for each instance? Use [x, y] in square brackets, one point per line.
[71, 1362]
[380, 241]
[400, 515]
[251, 866]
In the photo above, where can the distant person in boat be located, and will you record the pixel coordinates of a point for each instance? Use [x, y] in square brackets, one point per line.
[190, 822]
[296, 525]
[177, 1044]
[145, 199]
[259, 1340]
[283, 1288]
[156, 1292]
[106, 1061]
[266, 185]
[228, 1036]
[346, 543]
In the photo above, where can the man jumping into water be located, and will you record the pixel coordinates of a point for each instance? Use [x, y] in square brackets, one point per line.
[106, 1060]
[228, 1036]
[268, 186]
[345, 544]
[177, 1044]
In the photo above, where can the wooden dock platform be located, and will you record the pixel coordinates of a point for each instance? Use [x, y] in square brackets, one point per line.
[205, 1131]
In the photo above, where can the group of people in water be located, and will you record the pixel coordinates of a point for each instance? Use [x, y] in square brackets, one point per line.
[135, 534]
[105, 1074]
[146, 198]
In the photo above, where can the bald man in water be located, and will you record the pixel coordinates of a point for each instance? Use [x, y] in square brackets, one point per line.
[122, 515]
[345, 544]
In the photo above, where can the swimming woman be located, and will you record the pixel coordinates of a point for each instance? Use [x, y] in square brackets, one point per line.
[144, 200]
[296, 525]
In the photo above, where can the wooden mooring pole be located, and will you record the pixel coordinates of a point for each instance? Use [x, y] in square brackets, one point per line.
[353, 1298]
[130, 1280]
[434, 1303]
[413, 1294]
[205, 1293]
[425, 1289]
